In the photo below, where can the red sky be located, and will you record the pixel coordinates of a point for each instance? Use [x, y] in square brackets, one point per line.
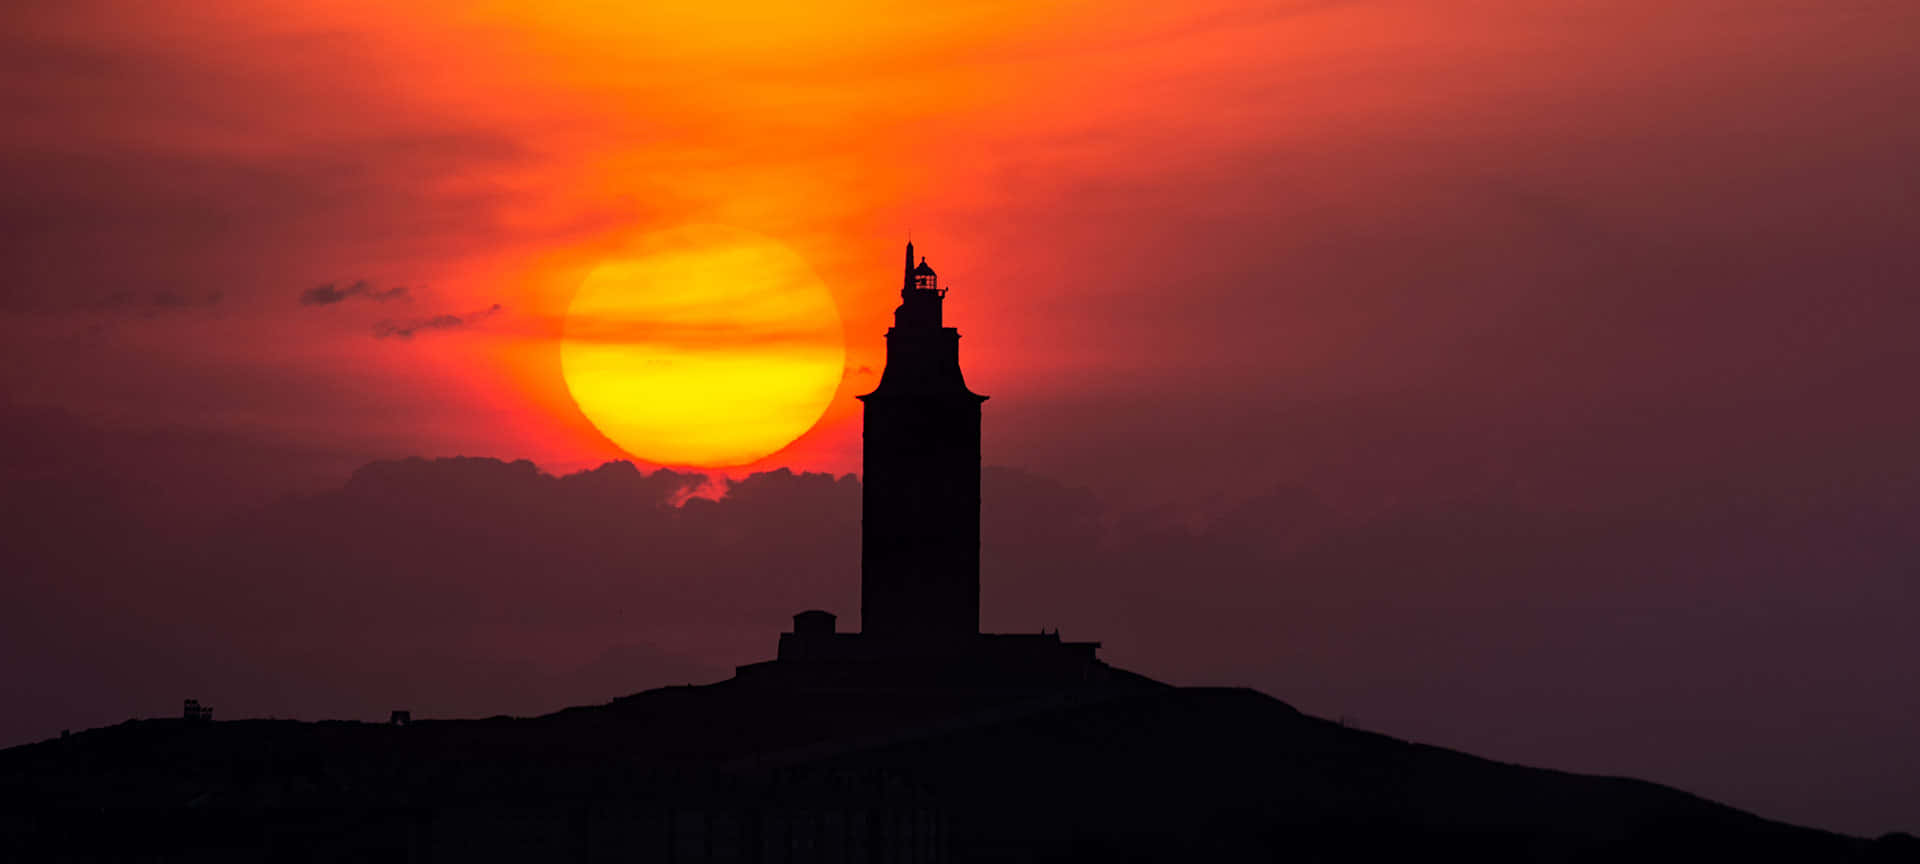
[1329, 197]
[1595, 259]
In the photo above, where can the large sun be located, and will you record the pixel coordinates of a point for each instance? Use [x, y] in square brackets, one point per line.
[707, 346]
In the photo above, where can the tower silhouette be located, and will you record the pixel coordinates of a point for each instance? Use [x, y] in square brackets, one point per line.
[920, 532]
[920, 539]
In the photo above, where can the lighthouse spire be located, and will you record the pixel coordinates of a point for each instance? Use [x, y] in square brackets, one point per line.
[920, 535]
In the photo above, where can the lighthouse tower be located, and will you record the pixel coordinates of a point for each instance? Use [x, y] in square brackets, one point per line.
[920, 535]
[920, 541]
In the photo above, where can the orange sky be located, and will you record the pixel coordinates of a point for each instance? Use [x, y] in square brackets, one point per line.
[493, 153]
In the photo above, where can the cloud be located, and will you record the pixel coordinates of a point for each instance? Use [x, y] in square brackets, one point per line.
[330, 293]
[405, 328]
[693, 334]
[475, 586]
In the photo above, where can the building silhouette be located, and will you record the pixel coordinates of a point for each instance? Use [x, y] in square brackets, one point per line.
[920, 535]
[920, 521]
[193, 712]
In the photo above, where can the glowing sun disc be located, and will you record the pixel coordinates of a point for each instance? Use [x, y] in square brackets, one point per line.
[708, 346]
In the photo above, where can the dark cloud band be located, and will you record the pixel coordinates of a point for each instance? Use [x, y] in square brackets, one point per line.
[331, 293]
[406, 328]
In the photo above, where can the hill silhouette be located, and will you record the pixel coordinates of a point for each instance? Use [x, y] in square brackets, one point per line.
[738, 771]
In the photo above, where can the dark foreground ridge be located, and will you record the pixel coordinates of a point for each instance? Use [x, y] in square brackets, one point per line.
[743, 771]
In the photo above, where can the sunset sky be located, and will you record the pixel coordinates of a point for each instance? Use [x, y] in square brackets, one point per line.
[1328, 199]
[1613, 302]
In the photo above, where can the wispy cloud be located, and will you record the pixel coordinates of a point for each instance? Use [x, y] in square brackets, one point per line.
[331, 293]
[405, 328]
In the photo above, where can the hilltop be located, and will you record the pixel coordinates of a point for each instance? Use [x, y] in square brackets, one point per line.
[1123, 770]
